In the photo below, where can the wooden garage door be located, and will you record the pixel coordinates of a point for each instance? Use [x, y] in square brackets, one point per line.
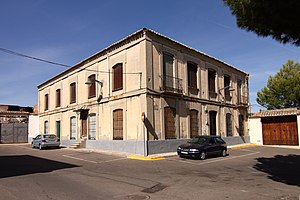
[280, 130]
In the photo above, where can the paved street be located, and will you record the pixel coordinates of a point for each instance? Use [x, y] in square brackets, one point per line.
[247, 173]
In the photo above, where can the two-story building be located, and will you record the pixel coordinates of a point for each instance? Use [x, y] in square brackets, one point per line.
[182, 91]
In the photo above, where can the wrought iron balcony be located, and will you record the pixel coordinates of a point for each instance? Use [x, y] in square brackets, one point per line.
[242, 100]
[171, 85]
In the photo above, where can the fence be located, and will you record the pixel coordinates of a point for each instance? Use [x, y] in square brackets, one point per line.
[13, 133]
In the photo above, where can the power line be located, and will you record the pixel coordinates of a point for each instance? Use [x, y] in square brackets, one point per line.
[55, 63]
[31, 57]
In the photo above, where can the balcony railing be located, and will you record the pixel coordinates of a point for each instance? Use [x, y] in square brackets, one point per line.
[242, 100]
[171, 84]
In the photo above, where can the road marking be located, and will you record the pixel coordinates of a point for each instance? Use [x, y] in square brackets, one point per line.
[90, 161]
[213, 161]
[112, 160]
[80, 159]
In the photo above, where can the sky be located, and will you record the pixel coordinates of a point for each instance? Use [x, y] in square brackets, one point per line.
[68, 31]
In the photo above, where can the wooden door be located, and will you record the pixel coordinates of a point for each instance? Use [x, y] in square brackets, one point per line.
[280, 130]
[170, 129]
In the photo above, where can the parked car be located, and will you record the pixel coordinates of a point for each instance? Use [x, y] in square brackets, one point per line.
[45, 140]
[202, 146]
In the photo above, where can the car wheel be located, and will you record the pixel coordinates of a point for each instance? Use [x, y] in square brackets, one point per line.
[202, 155]
[40, 147]
[223, 152]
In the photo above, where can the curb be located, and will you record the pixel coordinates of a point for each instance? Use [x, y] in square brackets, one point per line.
[242, 146]
[135, 157]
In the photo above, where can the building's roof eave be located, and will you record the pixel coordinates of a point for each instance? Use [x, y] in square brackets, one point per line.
[114, 45]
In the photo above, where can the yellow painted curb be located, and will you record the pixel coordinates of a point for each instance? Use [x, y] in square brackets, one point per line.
[146, 158]
[243, 146]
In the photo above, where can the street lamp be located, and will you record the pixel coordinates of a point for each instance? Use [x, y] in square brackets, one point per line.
[226, 89]
[90, 81]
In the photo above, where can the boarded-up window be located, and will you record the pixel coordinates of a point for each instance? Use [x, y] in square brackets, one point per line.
[194, 123]
[118, 77]
[211, 81]
[58, 98]
[118, 124]
[73, 93]
[170, 129]
[46, 101]
[228, 125]
[192, 75]
[92, 127]
[213, 122]
[92, 86]
[46, 127]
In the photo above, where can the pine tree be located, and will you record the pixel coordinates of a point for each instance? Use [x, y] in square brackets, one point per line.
[283, 89]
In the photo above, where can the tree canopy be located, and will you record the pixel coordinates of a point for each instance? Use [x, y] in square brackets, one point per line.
[283, 89]
[278, 19]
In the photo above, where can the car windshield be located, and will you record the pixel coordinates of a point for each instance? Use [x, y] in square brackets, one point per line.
[50, 136]
[198, 140]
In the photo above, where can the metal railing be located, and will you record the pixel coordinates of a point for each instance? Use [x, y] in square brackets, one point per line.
[171, 84]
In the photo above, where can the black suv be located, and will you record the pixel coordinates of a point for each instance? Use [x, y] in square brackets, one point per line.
[202, 146]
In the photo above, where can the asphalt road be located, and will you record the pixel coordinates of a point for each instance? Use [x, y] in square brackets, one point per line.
[248, 173]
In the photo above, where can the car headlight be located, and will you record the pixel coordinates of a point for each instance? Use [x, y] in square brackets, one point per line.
[179, 148]
[194, 150]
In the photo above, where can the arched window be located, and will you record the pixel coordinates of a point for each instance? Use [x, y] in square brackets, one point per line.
[170, 129]
[118, 77]
[228, 125]
[118, 124]
[213, 122]
[46, 127]
[241, 125]
[212, 83]
[46, 102]
[92, 126]
[194, 123]
[92, 86]
[57, 104]
[73, 128]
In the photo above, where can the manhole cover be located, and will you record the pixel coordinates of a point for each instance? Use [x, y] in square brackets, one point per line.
[138, 197]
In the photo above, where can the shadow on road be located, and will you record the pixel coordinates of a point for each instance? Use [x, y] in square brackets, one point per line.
[281, 168]
[18, 165]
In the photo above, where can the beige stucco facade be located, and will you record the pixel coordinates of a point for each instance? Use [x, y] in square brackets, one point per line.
[142, 57]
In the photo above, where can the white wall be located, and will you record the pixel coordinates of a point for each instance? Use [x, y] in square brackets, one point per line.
[255, 131]
[33, 127]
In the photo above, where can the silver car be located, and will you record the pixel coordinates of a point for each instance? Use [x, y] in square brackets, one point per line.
[45, 140]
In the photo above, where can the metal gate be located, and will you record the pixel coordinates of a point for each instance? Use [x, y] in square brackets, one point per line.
[13, 133]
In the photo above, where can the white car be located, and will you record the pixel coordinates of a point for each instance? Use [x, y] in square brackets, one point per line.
[45, 140]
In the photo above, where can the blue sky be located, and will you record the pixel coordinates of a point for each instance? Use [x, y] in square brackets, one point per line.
[68, 31]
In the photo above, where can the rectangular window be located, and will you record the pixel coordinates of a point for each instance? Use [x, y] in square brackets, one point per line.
[192, 75]
[92, 127]
[92, 86]
[46, 101]
[212, 83]
[227, 87]
[168, 76]
[73, 93]
[118, 77]
[118, 124]
[58, 98]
